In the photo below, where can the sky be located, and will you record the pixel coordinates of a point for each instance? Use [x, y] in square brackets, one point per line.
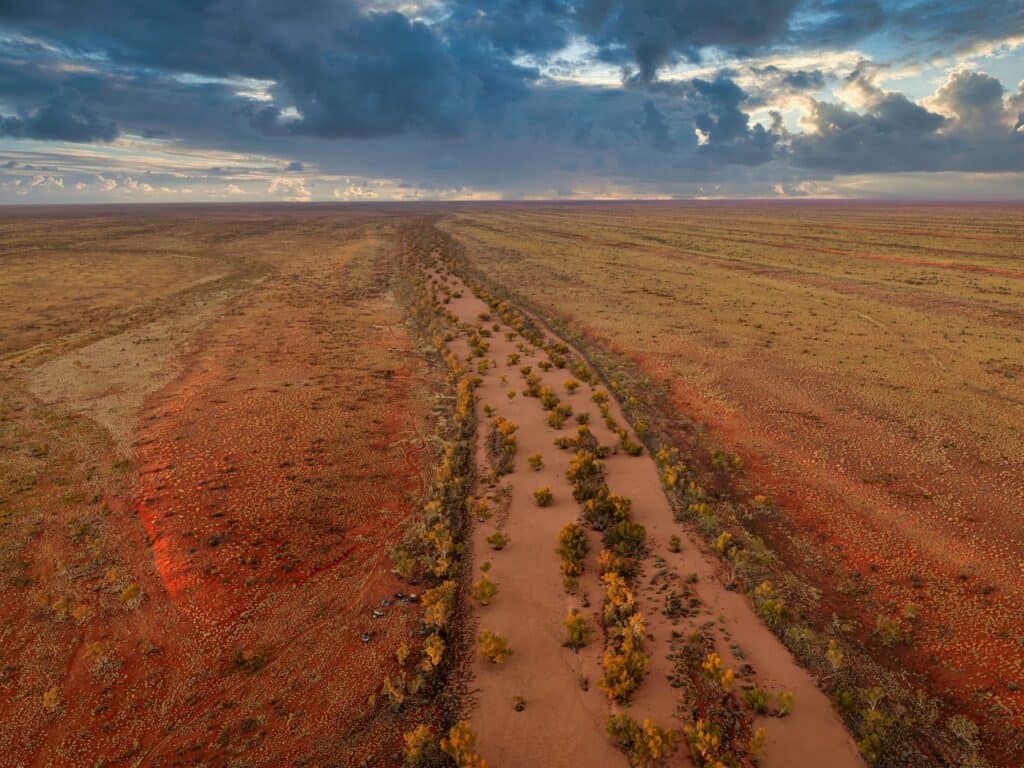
[363, 100]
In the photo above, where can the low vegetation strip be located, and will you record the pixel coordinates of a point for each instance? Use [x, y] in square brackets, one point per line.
[522, 368]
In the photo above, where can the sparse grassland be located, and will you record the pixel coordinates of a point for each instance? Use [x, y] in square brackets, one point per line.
[213, 429]
[846, 379]
[261, 464]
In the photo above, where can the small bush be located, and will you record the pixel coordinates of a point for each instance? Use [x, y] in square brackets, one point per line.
[536, 461]
[889, 630]
[631, 447]
[643, 744]
[485, 590]
[757, 699]
[675, 544]
[542, 496]
[717, 672]
[769, 605]
[572, 548]
[627, 539]
[421, 748]
[784, 703]
[571, 385]
[493, 647]
[498, 540]
[460, 746]
[577, 633]
[555, 420]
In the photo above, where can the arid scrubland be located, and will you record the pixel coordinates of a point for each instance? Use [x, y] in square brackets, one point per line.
[214, 427]
[705, 484]
[857, 367]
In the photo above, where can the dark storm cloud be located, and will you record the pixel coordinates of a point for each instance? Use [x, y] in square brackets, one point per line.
[513, 26]
[386, 75]
[653, 33]
[34, 83]
[656, 128]
[309, 79]
[790, 80]
[349, 73]
[716, 111]
[64, 117]
[825, 23]
[955, 24]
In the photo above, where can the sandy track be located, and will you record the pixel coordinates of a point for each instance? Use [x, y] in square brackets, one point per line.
[563, 724]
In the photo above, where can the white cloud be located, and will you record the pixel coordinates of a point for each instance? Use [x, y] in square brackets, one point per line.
[290, 189]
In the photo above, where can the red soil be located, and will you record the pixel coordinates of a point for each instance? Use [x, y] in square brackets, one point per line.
[274, 476]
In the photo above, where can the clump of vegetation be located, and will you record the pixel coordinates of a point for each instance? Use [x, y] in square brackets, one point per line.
[548, 398]
[604, 510]
[498, 540]
[572, 549]
[757, 742]
[672, 469]
[675, 544]
[422, 749]
[626, 539]
[577, 632]
[502, 445]
[769, 605]
[532, 385]
[460, 746]
[644, 743]
[485, 590]
[632, 447]
[555, 419]
[784, 703]
[757, 699]
[433, 652]
[586, 473]
[705, 740]
[543, 496]
[536, 461]
[571, 385]
[715, 671]
[493, 647]
[624, 661]
[478, 509]
[889, 630]
[438, 604]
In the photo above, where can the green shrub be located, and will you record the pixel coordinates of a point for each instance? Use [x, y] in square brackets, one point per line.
[498, 540]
